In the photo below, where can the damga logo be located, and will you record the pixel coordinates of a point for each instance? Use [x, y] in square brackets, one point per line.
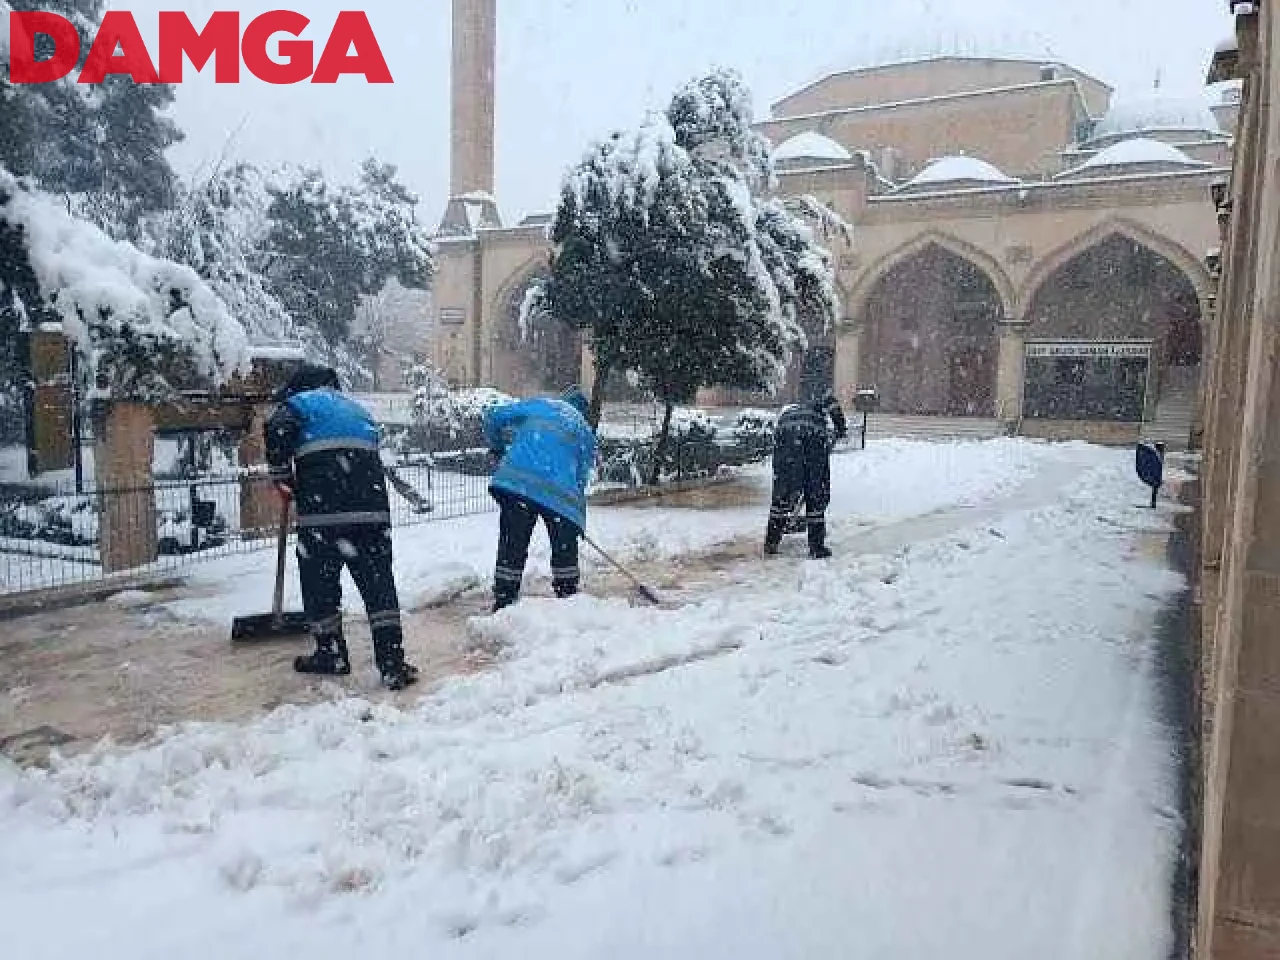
[118, 48]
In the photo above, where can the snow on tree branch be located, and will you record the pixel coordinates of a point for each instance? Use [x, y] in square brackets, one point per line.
[146, 327]
[828, 219]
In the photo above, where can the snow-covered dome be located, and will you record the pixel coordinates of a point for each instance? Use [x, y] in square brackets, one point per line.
[957, 172]
[1136, 155]
[1157, 114]
[811, 146]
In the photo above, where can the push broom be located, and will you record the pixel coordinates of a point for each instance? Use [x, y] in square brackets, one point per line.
[278, 624]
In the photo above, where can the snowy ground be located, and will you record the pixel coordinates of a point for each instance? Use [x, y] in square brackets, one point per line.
[889, 482]
[944, 743]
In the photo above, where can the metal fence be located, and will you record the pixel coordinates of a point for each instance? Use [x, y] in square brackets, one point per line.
[51, 537]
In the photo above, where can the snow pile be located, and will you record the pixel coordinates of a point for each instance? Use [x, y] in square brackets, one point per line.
[955, 725]
[811, 146]
[140, 321]
[958, 171]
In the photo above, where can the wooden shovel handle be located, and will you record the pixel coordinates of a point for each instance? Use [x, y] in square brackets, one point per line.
[282, 551]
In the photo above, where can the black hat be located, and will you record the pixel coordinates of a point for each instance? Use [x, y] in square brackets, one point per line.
[310, 376]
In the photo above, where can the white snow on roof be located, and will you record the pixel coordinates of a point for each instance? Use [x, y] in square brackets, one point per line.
[1158, 112]
[1139, 151]
[1226, 92]
[811, 146]
[958, 170]
[1228, 44]
[277, 351]
[1137, 155]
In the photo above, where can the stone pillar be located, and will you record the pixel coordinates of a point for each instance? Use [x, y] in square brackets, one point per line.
[259, 506]
[849, 340]
[54, 400]
[124, 448]
[475, 32]
[1011, 372]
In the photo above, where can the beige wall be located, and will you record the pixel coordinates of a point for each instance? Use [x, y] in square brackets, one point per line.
[1020, 237]
[1017, 237]
[1239, 903]
[453, 346]
[929, 78]
[1021, 131]
[479, 277]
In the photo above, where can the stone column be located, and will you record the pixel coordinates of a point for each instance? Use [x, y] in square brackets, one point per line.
[259, 506]
[124, 448]
[475, 28]
[849, 338]
[1011, 372]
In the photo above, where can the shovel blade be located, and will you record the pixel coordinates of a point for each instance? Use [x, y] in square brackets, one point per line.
[268, 627]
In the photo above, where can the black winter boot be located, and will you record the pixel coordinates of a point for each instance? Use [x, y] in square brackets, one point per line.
[388, 651]
[773, 536]
[329, 660]
[818, 548]
[400, 677]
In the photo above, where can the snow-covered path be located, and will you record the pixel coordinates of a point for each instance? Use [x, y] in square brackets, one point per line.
[942, 744]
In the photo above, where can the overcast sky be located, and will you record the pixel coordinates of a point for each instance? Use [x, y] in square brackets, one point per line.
[569, 71]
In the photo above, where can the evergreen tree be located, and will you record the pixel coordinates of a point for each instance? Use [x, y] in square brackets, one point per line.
[667, 256]
[329, 247]
[219, 227]
[102, 145]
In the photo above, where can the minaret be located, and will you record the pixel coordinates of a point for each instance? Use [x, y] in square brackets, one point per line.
[471, 173]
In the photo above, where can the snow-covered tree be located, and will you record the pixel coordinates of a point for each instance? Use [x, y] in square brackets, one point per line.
[143, 327]
[328, 247]
[219, 227]
[390, 325]
[668, 254]
[101, 145]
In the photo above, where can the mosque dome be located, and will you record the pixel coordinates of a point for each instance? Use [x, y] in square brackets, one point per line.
[1136, 155]
[811, 146]
[958, 173]
[1187, 116]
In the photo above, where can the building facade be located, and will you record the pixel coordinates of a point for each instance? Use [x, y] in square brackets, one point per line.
[1026, 246]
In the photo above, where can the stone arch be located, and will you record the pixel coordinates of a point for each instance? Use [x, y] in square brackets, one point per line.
[930, 341]
[1125, 284]
[1192, 267]
[855, 305]
[548, 358]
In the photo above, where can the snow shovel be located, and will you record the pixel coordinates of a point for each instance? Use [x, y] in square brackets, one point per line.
[648, 593]
[276, 625]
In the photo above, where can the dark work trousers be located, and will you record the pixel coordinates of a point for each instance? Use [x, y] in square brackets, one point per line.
[516, 524]
[366, 552]
[801, 471]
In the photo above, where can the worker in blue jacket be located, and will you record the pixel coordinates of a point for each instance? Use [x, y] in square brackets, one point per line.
[547, 449]
[323, 451]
